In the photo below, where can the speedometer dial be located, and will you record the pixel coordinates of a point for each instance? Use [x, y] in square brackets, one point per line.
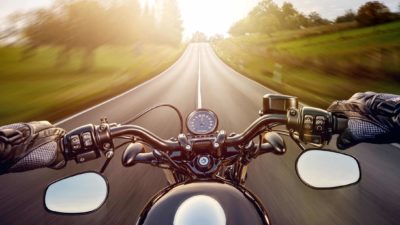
[202, 121]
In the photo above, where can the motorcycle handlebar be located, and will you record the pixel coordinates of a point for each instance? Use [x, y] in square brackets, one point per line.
[255, 129]
[86, 142]
[149, 137]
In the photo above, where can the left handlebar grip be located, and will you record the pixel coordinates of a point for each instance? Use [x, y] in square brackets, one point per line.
[81, 144]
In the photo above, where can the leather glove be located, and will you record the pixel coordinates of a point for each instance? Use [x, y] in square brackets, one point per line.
[373, 118]
[28, 146]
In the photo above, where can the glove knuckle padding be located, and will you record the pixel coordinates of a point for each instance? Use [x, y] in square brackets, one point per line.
[36, 147]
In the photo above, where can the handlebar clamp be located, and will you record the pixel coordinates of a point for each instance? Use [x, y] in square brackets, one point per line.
[104, 139]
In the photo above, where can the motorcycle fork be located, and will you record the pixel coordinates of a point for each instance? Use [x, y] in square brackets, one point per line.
[242, 173]
[173, 177]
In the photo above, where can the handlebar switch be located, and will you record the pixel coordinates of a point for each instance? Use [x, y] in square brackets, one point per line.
[308, 122]
[75, 143]
[80, 144]
[87, 156]
[87, 139]
[320, 122]
[312, 125]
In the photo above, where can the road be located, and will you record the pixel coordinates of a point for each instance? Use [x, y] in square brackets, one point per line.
[199, 77]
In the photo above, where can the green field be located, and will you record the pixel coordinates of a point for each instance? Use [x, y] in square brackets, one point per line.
[37, 89]
[319, 64]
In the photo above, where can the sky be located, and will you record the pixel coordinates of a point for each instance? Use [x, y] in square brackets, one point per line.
[216, 16]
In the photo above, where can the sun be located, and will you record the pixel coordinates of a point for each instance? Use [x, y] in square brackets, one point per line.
[209, 16]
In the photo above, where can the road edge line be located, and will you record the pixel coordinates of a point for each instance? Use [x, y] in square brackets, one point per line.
[396, 145]
[122, 94]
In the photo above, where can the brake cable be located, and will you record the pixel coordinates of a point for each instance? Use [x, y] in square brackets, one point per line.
[153, 108]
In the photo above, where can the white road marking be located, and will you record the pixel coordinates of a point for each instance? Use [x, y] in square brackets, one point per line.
[199, 105]
[396, 145]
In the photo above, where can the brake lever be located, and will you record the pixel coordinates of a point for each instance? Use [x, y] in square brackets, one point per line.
[296, 140]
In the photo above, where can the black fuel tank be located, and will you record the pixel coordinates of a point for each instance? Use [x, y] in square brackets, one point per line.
[214, 199]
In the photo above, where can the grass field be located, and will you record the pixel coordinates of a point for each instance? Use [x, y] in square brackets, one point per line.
[320, 64]
[37, 89]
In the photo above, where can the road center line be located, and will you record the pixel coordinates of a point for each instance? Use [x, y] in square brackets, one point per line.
[199, 105]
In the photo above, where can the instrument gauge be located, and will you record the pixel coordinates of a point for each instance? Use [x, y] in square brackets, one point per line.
[202, 121]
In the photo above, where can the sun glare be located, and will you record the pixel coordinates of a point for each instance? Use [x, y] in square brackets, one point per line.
[207, 16]
[210, 16]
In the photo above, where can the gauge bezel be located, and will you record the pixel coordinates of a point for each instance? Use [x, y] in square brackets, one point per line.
[202, 110]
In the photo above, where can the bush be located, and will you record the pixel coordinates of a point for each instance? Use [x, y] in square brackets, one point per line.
[372, 13]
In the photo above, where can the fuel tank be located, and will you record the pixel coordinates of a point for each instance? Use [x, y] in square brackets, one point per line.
[204, 202]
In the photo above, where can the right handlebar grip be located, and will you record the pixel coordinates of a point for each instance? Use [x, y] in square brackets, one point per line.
[339, 124]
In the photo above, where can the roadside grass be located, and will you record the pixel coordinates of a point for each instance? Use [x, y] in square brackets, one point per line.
[37, 89]
[322, 66]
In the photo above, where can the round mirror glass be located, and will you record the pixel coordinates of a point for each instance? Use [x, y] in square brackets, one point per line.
[79, 193]
[327, 169]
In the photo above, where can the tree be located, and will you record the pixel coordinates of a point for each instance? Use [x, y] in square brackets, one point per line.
[372, 13]
[170, 25]
[242, 27]
[348, 16]
[267, 17]
[123, 23]
[85, 25]
[292, 18]
[199, 37]
[148, 25]
[315, 19]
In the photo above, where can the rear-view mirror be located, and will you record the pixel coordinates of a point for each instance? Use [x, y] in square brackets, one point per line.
[81, 193]
[325, 169]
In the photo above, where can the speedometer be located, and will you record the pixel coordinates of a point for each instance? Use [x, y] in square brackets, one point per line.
[202, 121]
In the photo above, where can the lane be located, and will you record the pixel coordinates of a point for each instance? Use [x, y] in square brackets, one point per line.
[21, 194]
[375, 200]
[236, 100]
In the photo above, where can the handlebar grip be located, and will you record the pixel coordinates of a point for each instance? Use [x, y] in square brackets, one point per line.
[339, 124]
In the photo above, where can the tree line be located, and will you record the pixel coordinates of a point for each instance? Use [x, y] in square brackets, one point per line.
[90, 24]
[267, 17]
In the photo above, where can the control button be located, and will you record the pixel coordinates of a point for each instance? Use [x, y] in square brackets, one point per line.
[87, 139]
[75, 142]
[319, 123]
[316, 139]
[309, 138]
[308, 122]
[87, 156]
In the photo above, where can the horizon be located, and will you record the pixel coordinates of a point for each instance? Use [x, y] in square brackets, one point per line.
[193, 13]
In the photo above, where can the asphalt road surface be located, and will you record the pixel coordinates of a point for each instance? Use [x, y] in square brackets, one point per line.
[200, 78]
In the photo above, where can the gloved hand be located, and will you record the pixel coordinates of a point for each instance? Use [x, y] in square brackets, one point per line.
[28, 146]
[373, 118]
